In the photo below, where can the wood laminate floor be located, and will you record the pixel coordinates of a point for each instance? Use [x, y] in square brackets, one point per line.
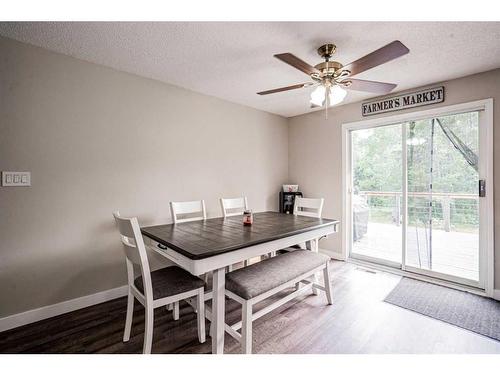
[358, 322]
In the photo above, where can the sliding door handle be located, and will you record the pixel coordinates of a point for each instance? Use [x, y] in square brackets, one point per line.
[482, 188]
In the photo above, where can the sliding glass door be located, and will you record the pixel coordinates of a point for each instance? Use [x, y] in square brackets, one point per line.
[443, 203]
[376, 194]
[413, 193]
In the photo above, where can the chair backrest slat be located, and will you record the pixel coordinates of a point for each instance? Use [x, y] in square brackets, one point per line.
[135, 251]
[311, 207]
[188, 208]
[124, 226]
[233, 206]
[131, 251]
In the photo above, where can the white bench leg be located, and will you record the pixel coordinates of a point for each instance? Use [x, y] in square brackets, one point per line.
[313, 246]
[328, 284]
[148, 332]
[246, 262]
[176, 310]
[170, 307]
[246, 328]
[128, 319]
[200, 306]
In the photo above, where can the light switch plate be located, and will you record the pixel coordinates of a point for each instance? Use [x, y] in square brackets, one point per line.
[16, 178]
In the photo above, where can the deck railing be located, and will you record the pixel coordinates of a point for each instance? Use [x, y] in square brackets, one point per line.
[444, 200]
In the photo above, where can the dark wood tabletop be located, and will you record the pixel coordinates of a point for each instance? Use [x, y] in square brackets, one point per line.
[206, 238]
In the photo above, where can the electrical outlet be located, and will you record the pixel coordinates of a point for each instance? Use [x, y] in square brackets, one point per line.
[16, 178]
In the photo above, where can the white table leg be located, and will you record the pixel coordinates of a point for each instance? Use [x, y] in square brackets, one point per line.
[313, 246]
[218, 310]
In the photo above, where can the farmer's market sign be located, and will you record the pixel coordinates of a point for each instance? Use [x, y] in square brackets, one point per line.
[410, 100]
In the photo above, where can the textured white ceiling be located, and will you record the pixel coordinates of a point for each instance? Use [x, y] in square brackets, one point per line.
[234, 60]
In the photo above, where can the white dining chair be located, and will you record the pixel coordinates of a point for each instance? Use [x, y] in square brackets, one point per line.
[183, 212]
[310, 207]
[158, 288]
[234, 207]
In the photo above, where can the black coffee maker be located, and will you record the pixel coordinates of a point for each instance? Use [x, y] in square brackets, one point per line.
[287, 201]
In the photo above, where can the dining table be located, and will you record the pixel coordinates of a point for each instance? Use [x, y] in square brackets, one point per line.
[211, 245]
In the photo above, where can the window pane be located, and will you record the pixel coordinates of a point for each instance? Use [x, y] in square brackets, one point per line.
[376, 198]
[443, 206]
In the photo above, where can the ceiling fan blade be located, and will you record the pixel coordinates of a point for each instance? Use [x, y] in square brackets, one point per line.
[370, 86]
[381, 56]
[296, 63]
[293, 87]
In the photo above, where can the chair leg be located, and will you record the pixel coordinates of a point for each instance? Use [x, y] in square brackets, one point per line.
[206, 277]
[328, 284]
[148, 332]
[200, 304]
[128, 319]
[246, 328]
[176, 310]
[192, 303]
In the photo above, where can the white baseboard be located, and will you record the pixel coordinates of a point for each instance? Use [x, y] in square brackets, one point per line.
[496, 294]
[332, 254]
[45, 312]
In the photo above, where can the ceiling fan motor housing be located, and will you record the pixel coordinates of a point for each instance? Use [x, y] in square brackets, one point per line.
[328, 67]
[327, 50]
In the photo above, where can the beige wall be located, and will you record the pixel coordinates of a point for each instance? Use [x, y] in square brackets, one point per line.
[315, 148]
[97, 140]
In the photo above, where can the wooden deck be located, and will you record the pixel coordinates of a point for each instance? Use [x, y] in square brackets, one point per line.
[453, 253]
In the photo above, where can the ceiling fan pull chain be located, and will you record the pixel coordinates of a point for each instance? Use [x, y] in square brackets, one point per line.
[327, 100]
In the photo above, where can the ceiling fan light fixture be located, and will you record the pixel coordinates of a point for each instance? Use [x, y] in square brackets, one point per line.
[337, 95]
[318, 96]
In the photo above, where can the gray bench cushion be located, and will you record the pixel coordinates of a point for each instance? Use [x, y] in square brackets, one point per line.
[170, 281]
[258, 278]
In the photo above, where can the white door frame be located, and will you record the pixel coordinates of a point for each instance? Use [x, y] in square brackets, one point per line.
[486, 153]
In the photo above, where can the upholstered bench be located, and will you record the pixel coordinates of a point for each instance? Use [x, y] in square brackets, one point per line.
[259, 281]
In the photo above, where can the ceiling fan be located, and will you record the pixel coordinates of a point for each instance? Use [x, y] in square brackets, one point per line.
[331, 78]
